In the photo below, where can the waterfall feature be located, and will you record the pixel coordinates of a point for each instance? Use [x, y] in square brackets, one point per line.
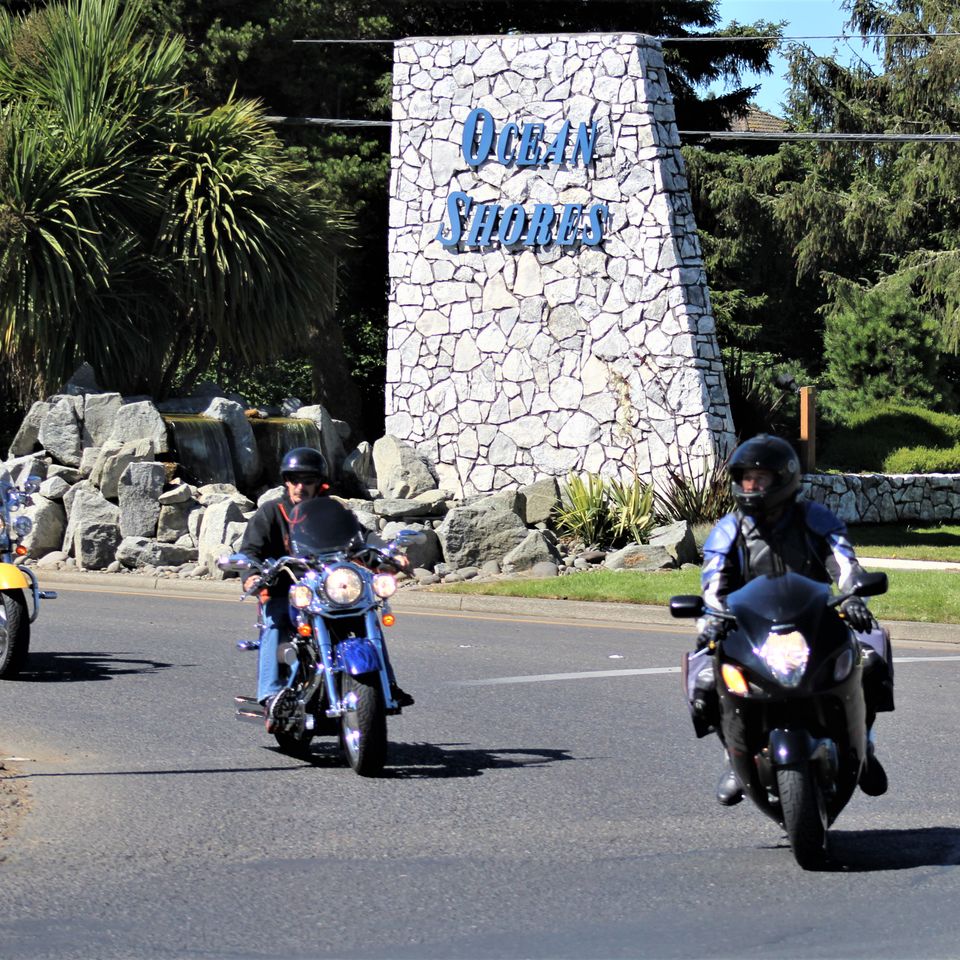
[275, 436]
[200, 446]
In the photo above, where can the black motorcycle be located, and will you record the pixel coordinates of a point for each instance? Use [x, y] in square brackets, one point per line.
[787, 695]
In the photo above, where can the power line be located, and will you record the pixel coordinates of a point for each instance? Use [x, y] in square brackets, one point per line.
[713, 39]
[778, 136]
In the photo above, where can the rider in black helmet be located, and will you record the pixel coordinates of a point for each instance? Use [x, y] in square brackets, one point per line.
[304, 474]
[772, 532]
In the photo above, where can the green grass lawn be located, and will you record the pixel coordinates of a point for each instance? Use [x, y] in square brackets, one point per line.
[907, 541]
[928, 596]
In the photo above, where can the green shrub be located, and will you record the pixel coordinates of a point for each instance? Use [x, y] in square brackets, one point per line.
[880, 345]
[923, 460]
[604, 512]
[697, 496]
[875, 437]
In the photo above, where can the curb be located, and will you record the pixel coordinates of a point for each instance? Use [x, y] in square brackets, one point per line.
[414, 598]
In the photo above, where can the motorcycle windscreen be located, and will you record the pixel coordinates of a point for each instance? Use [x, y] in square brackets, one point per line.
[322, 526]
[787, 599]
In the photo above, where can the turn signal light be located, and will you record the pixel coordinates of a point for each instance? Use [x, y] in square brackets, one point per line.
[734, 680]
[389, 619]
[305, 630]
[21, 550]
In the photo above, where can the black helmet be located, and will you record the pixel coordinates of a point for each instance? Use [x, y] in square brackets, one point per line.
[764, 452]
[304, 460]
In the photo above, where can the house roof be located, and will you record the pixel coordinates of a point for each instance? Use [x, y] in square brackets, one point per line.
[758, 121]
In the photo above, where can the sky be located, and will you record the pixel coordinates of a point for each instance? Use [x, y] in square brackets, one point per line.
[806, 18]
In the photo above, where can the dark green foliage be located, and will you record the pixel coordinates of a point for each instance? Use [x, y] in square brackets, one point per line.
[879, 345]
[695, 495]
[878, 437]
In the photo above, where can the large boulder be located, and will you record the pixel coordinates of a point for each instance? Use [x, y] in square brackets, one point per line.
[140, 486]
[49, 525]
[639, 556]
[99, 412]
[401, 471]
[173, 522]
[331, 446]
[26, 439]
[140, 421]
[95, 544]
[678, 540]
[538, 500]
[535, 548]
[114, 457]
[85, 504]
[358, 467]
[214, 532]
[144, 552]
[425, 555]
[474, 533]
[60, 431]
[243, 444]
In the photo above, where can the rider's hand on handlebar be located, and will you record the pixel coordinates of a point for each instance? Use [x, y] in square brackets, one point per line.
[856, 613]
[251, 582]
[712, 633]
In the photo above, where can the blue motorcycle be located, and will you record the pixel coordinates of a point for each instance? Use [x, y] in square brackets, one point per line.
[338, 607]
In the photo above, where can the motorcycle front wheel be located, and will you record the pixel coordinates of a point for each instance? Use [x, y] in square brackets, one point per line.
[14, 633]
[804, 815]
[363, 730]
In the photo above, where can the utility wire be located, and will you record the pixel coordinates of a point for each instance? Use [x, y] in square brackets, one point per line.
[734, 39]
[778, 136]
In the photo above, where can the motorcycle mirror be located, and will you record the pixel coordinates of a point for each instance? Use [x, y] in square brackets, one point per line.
[32, 484]
[686, 606]
[407, 537]
[871, 585]
[235, 563]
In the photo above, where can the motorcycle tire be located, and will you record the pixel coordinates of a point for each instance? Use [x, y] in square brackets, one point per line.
[363, 731]
[804, 815]
[14, 633]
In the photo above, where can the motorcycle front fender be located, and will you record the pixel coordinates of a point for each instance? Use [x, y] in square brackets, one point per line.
[357, 655]
[788, 747]
[13, 578]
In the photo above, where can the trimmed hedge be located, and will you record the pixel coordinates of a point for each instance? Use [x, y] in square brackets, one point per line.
[893, 438]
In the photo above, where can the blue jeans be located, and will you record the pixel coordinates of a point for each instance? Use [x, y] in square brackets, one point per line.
[273, 676]
[276, 626]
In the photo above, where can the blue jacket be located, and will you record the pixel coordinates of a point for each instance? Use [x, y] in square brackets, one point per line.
[808, 539]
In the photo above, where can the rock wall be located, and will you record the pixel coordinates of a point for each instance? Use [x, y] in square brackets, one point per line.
[887, 498]
[549, 310]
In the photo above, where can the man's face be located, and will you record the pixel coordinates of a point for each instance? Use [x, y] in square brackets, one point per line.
[755, 480]
[302, 486]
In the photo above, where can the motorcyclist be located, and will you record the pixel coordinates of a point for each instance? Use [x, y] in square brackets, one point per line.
[772, 532]
[304, 474]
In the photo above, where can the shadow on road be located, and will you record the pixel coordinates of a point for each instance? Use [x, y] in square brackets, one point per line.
[440, 760]
[82, 666]
[860, 851]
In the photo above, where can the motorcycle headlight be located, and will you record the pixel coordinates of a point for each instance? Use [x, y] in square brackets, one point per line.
[300, 595]
[786, 654]
[384, 585]
[22, 525]
[343, 585]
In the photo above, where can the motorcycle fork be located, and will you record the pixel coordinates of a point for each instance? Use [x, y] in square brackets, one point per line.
[324, 671]
[373, 633]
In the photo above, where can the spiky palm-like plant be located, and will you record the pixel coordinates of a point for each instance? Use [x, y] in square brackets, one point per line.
[136, 229]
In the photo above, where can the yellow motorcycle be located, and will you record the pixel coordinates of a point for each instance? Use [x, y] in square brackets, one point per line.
[16, 582]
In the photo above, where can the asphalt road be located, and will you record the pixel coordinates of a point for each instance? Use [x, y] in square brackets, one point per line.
[545, 798]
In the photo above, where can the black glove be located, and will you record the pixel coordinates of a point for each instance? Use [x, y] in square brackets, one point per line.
[714, 630]
[855, 612]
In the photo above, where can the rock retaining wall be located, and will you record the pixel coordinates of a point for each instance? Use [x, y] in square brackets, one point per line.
[549, 310]
[887, 498]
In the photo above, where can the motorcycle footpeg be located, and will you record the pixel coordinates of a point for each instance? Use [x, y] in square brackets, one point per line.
[248, 644]
[47, 594]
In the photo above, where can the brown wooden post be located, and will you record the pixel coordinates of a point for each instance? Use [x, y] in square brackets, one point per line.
[808, 428]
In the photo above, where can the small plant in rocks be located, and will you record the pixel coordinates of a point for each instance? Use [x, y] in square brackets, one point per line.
[598, 511]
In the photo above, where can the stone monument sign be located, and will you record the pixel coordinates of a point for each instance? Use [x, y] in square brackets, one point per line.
[549, 309]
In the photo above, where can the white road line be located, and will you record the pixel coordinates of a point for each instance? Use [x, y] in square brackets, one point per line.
[647, 671]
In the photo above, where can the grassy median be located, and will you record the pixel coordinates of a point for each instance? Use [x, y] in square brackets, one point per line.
[928, 596]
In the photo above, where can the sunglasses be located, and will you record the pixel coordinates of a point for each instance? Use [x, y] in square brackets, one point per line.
[303, 479]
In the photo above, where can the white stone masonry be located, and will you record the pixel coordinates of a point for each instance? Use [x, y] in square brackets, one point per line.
[549, 309]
